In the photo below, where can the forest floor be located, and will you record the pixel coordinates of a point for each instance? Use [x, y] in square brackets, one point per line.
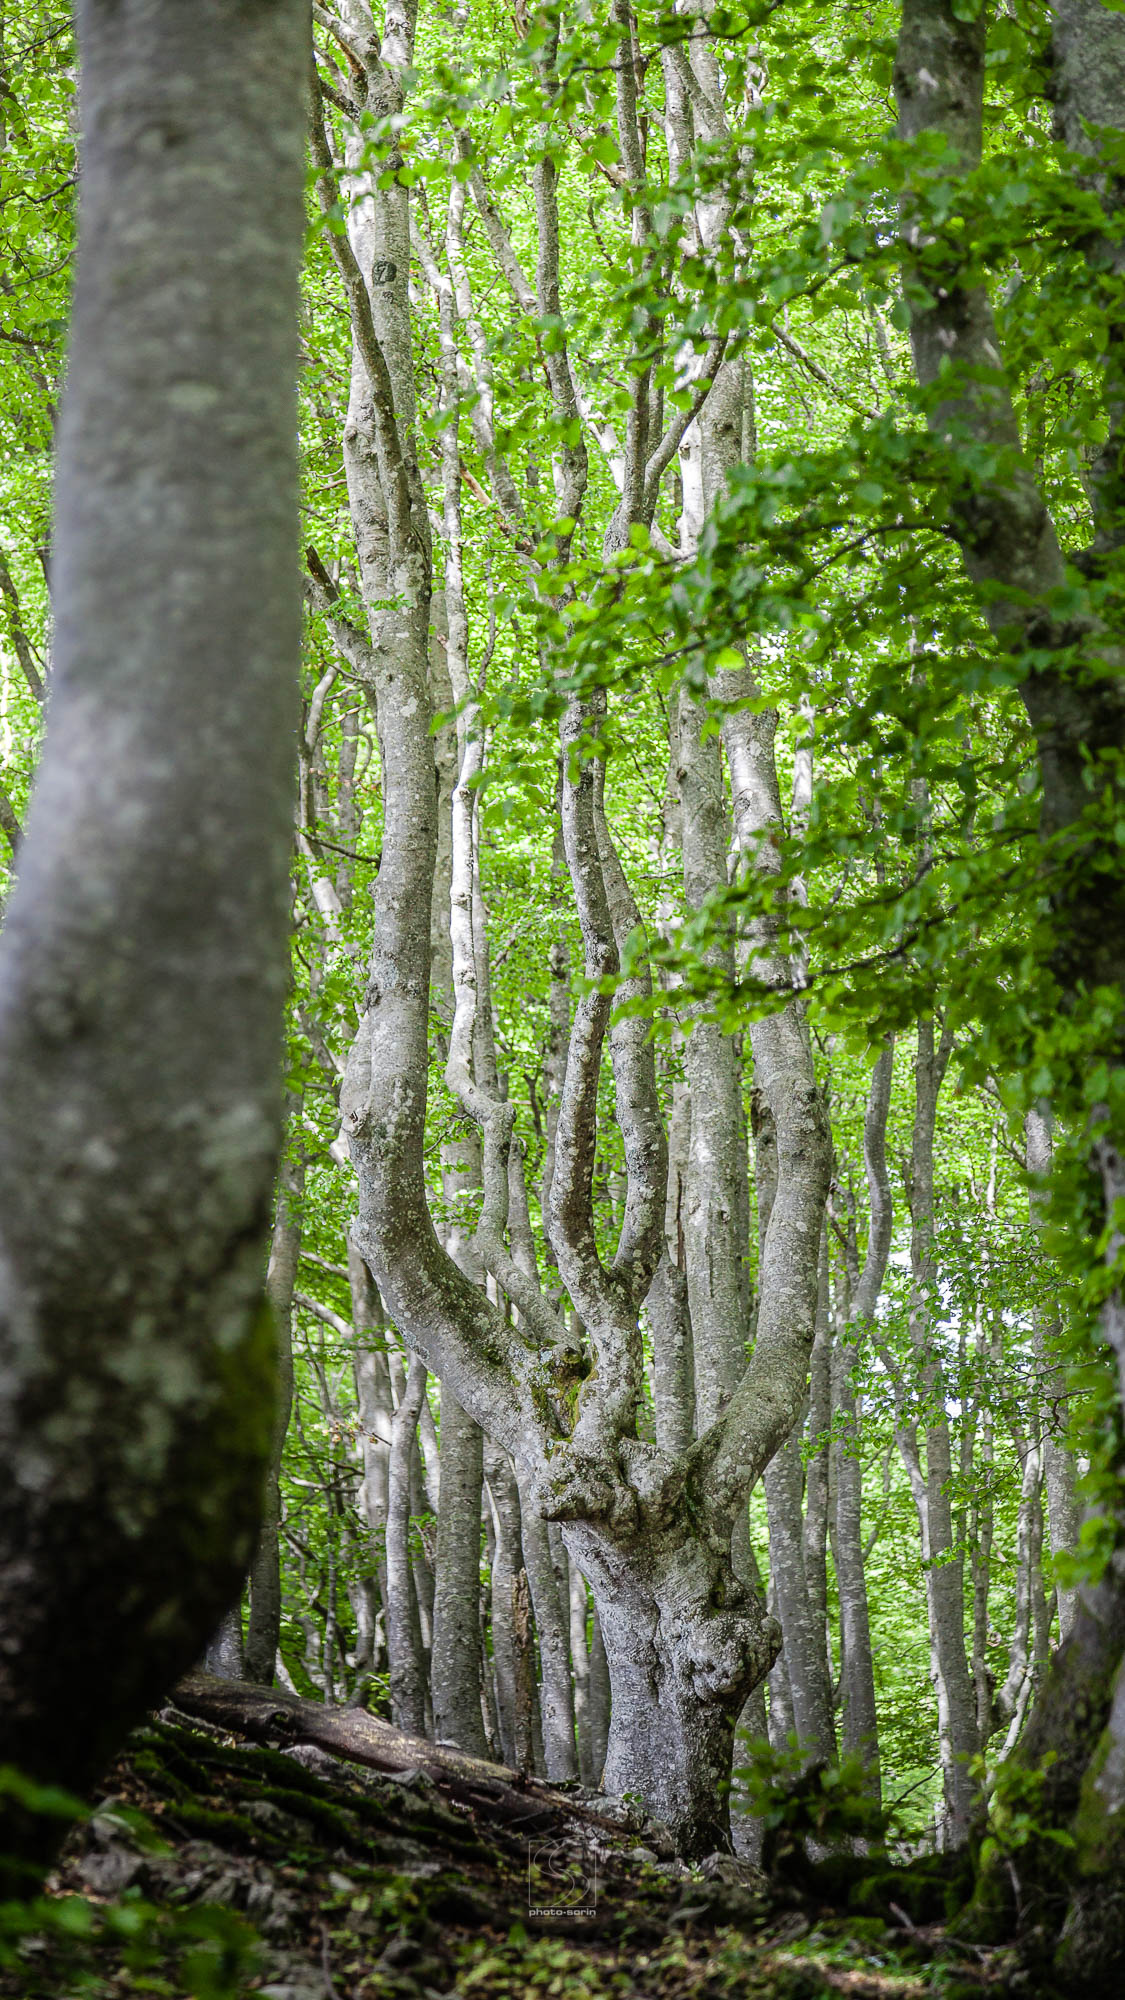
[217, 1867]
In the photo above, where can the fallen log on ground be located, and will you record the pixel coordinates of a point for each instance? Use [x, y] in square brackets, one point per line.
[271, 1716]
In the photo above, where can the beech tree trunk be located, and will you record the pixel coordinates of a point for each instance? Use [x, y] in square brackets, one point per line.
[1059, 1470]
[1072, 690]
[801, 1615]
[678, 1680]
[144, 958]
[264, 1629]
[404, 1633]
[513, 1663]
[223, 1653]
[943, 1557]
[455, 1665]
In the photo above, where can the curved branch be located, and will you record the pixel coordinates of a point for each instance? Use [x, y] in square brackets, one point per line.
[393, 467]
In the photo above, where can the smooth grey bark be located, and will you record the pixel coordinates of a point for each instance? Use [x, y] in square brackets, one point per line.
[543, 1551]
[942, 1553]
[374, 1406]
[578, 1595]
[782, 1721]
[455, 1661]
[263, 1632]
[552, 1625]
[513, 1662]
[715, 1248]
[748, 1833]
[404, 1635]
[558, 1030]
[1059, 1470]
[144, 960]
[667, 1304]
[804, 1688]
[223, 1654]
[599, 1701]
[802, 1622]
[814, 1534]
[858, 1720]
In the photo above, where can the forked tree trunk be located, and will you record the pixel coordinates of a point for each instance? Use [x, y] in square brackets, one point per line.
[684, 1643]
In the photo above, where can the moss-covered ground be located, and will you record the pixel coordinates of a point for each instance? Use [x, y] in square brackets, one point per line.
[217, 1869]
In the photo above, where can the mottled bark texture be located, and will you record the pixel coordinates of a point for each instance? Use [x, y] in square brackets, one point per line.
[144, 958]
[1075, 700]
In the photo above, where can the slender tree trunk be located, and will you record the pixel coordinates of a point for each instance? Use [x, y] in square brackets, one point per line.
[513, 1664]
[943, 1557]
[782, 1723]
[815, 1530]
[859, 1733]
[404, 1636]
[806, 1665]
[374, 1407]
[1059, 1472]
[802, 1620]
[715, 1252]
[552, 1624]
[667, 1305]
[580, 1658]
[264, 1629]
[859, 1726]
[455, 1666]
[599, 1701]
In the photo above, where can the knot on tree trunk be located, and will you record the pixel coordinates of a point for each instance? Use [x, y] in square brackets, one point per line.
[580, 1485]
[730, 1652]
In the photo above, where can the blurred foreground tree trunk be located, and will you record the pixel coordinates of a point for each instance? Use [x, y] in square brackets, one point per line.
[144, 957]
[1063, 632]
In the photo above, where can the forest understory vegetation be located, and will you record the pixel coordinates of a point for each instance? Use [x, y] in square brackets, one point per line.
[220, 1864]
[647, 745]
